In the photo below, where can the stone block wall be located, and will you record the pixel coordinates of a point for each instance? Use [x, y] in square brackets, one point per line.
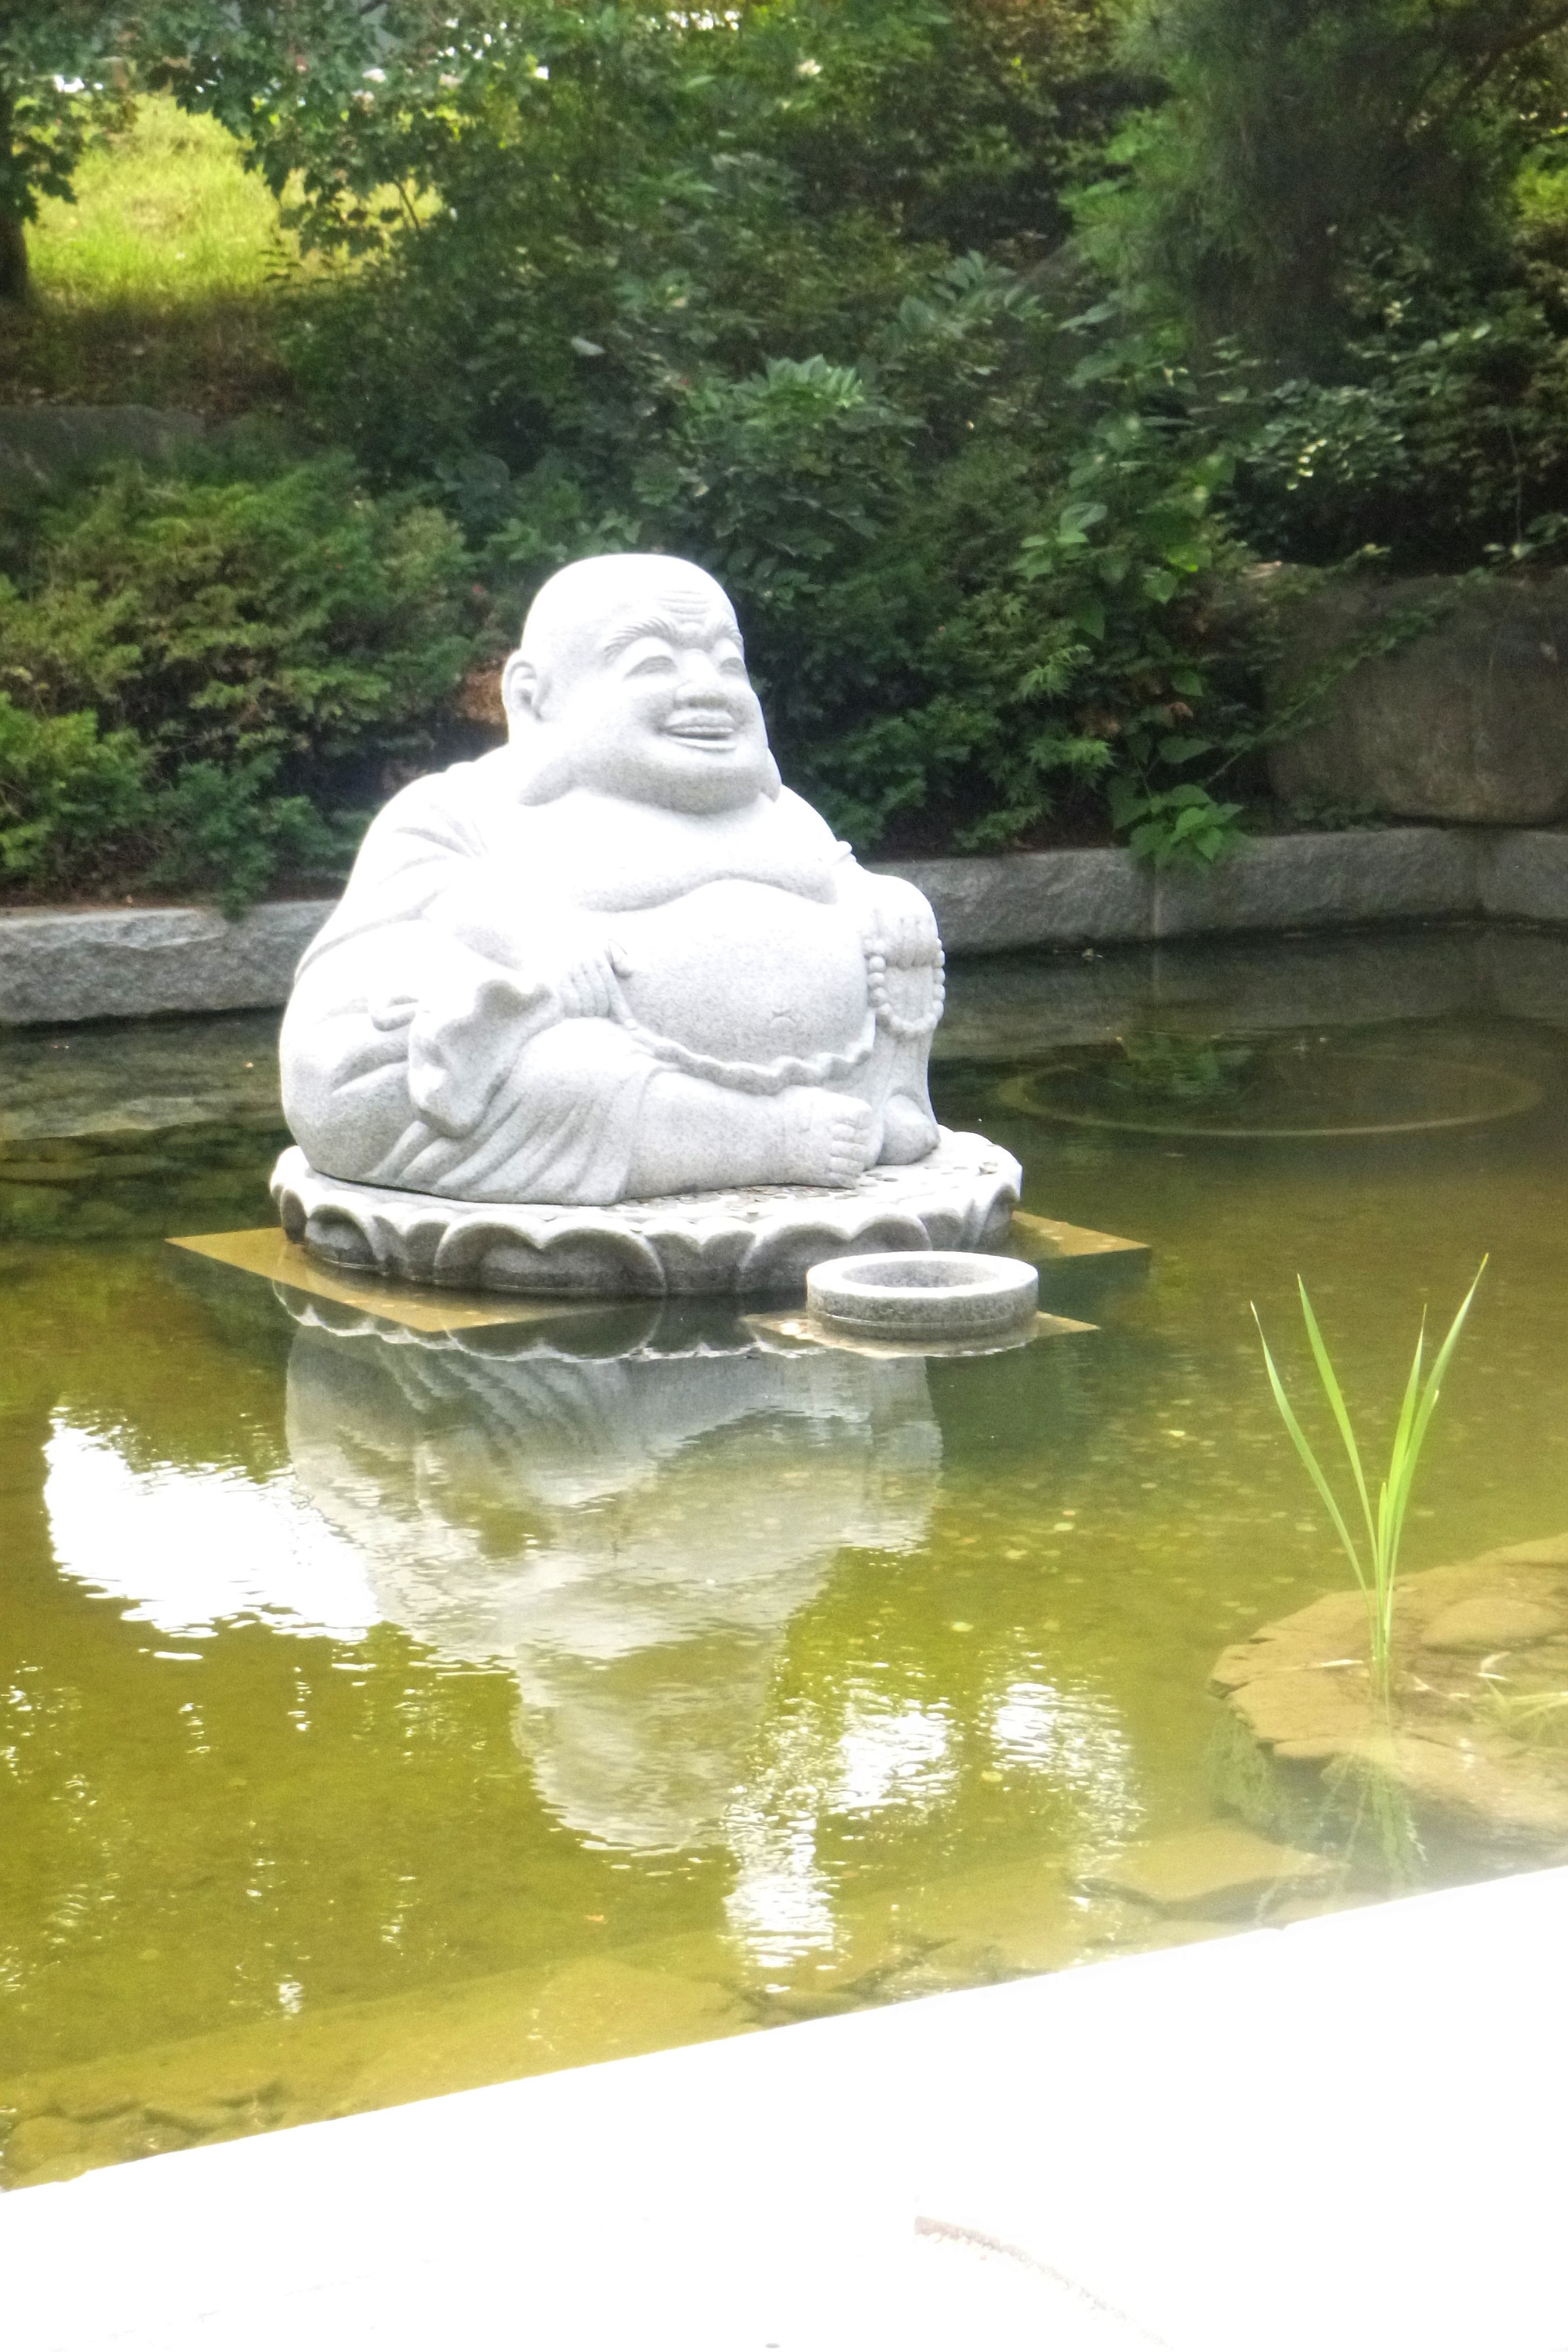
[1465, 722]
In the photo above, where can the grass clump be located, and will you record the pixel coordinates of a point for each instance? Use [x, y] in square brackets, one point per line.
[162, 283]
[165, 214]
[1376, 1570]
[1535, 1718]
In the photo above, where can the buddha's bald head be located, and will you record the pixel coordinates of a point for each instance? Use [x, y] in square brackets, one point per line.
[580, 610]
[631, 680]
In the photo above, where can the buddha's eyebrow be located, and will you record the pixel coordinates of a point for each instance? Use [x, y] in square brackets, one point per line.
[699, 630]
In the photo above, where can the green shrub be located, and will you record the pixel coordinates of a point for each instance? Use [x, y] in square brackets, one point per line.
[264, 643]
[72, 803]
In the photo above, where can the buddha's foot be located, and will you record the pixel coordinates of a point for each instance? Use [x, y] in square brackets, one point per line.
[827, 1138]
[908, 1132]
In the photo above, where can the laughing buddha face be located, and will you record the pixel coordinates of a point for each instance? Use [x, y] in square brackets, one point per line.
[631, 682]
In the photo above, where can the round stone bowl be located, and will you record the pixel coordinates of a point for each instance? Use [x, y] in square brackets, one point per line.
[923, 1294]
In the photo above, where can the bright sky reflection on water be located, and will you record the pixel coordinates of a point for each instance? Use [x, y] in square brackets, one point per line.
[196, 1548]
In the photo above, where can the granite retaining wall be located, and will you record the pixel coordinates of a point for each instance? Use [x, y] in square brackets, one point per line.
[127, 962]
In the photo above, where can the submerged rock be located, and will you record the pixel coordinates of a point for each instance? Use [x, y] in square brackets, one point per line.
[1475, 1735]
[1493, 1620]
[40, 2140]
[1216, 1872]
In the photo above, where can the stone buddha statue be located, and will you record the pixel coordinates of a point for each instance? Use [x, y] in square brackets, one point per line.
[616, 958]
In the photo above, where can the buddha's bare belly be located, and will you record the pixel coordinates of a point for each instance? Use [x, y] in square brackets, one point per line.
[745, 973]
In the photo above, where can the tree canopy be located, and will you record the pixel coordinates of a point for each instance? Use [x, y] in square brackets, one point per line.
[1298, 143]
[981, 346]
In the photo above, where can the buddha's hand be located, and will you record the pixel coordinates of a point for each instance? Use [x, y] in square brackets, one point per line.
[472, 1023]
[465, 1036]
[586, 985]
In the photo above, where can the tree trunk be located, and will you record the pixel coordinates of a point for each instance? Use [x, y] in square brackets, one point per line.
[13, 230]
[13, 260]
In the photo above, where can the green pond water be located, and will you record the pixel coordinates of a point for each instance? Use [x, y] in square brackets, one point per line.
[379, 1718]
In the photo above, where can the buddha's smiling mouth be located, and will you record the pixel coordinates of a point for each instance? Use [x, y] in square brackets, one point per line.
[704, 733]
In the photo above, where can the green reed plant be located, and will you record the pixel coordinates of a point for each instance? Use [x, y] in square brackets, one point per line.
[1537, 1718]
[1376, 1570]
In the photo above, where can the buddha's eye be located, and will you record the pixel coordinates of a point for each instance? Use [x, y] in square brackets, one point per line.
[657, 662]
[731, 663]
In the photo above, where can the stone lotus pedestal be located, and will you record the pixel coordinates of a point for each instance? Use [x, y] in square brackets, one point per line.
[748, 1242]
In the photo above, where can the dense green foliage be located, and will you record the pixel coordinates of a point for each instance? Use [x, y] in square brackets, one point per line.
[1356, 218]
[193, 670]
[691, 282]
[979, 346]
[1440, 437]
[69, 800]
[972, 574]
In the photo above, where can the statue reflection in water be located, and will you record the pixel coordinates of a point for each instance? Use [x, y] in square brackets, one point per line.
[627, 1518]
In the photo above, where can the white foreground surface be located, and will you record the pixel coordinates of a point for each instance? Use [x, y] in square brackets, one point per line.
[1344, 2136]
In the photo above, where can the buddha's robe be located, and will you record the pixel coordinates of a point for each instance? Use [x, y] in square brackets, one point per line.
[437, 1041]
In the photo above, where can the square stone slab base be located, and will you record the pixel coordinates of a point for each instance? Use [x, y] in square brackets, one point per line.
[807, 1331]
[267, 1251]
[314, 1293]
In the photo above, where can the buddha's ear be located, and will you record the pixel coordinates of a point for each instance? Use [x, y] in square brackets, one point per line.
[773, 782]
[519, 690]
